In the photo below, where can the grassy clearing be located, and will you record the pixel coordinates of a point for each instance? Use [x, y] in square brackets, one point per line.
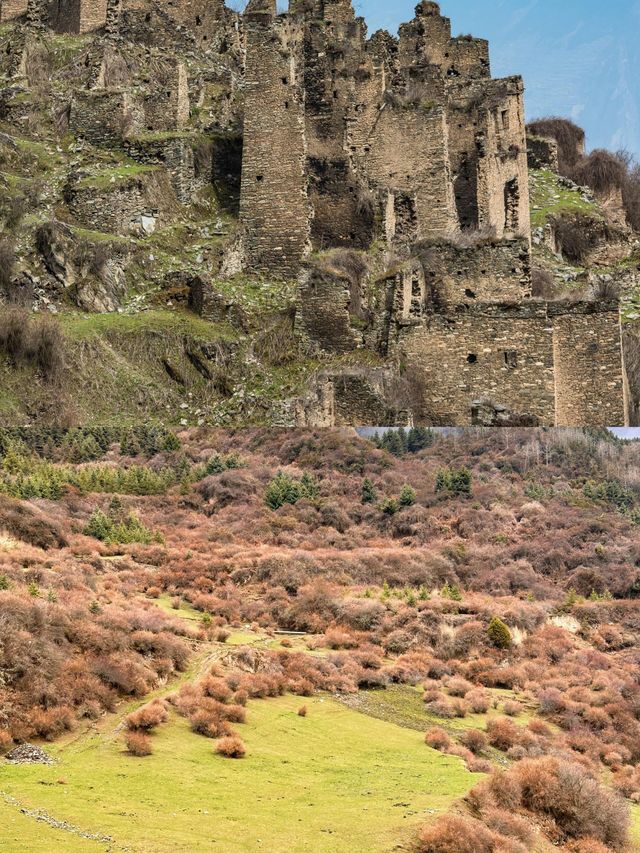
[549, 197]
[18, 833]
[115, 175]
[404, 706]
[82, 327]
[334, 781]
[635, 826]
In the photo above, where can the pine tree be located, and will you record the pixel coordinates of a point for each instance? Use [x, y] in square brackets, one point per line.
[407, 496]
[499, 634]
[369, 494]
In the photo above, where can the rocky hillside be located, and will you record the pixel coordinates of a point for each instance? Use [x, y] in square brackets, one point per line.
[120, 174]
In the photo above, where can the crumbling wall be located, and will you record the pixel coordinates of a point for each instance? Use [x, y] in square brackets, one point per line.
[274, 206]
[175, 154]
[105, 117]
[166, 103]
[78, 16]
[131, 205]
[326, 310]
[492, 271]
[496, 353]
[588, 364]
[11, 9]
[408, 156]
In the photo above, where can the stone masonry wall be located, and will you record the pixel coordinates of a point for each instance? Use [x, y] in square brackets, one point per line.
[491, 272]
[274, 207]
[408, 155]
[120, 208]
[105, 117]
[78, 16]
[10, 9]
[495, 353]
[588, 364]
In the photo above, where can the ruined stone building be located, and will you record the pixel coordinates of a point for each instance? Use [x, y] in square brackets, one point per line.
[348, 142]
[401, 152]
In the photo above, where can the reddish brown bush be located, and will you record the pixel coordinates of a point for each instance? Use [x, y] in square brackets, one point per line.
[147, 717]
[6, 741]
[138, 743]
[302, 711]
[438, 739]
[231, 746]
[512, 708]
[455, 834]
[474, 740]
[503, 733]
[579, 804]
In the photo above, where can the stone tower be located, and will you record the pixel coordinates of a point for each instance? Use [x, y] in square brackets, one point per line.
[349, 140]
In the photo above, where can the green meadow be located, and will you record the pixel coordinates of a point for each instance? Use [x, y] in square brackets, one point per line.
[331, 782]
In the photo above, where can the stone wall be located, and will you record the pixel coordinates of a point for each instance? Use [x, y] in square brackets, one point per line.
[326, 310]
[542, 153]
[134, 205]
[500, 354]
[105, 117]
[489, 272]
[78, 16]
[407, 155]
[166, 102]
[175, 154]
[589, 373]
[11, 9]
[274, 206]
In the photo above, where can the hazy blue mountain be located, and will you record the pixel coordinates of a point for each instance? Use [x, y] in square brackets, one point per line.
[579, 58]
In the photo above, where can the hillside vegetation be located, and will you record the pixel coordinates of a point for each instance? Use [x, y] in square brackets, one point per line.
[430, 640]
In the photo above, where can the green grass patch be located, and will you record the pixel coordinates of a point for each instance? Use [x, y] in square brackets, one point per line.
[186, 611]
[549, 197]
[82, 327]
[334, 781]
[635, 825]
[115, 175]
[403, 705]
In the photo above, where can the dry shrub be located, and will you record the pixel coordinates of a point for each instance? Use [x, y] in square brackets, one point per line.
[568, 135]
[578, 803]
[37, 341]
[479, 765]
[302, 711]
[455, 834]
[147, 717]
[512, 708]
[138, 743]
[28, 525]
[6, 741]
[503, 733]
[575, 235]
[231, 746]
[474, 740]
[438, 739]
[7, 264]
[631, 196]
[209, 724]
[511, 825]
[601, 170]
[479, 701]
[334, 638]
[458, 686]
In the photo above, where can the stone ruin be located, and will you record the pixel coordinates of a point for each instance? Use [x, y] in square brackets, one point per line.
[404, 150]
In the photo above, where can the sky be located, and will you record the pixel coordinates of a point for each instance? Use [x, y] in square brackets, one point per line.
[579, 58]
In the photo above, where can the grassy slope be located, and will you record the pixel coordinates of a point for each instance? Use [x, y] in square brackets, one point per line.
[333, 781]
